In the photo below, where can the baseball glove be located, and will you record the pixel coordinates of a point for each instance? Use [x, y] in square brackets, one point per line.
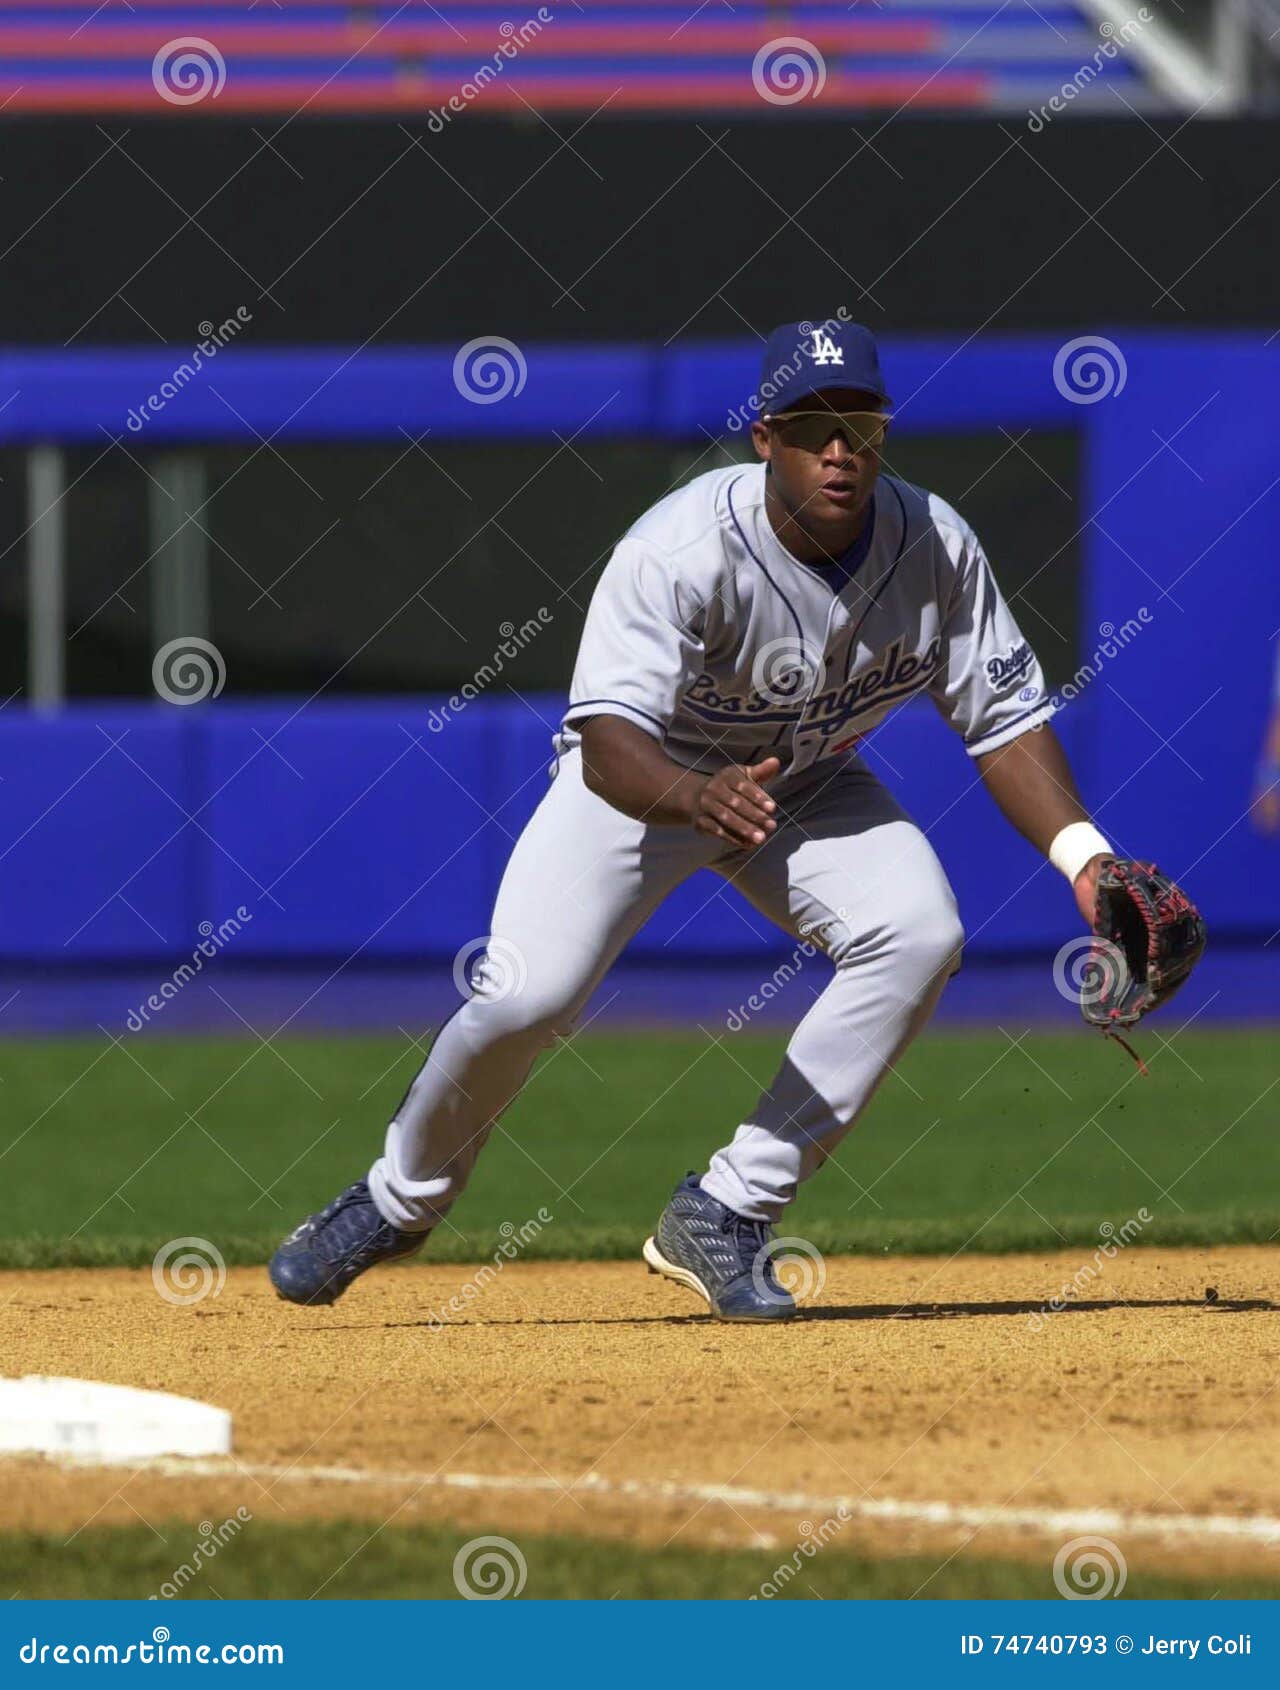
[1147, 937]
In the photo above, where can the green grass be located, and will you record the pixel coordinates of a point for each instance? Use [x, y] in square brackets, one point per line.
[345, 1559]
[110, 1151]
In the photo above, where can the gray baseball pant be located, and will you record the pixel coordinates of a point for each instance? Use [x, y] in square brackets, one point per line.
[847, 871]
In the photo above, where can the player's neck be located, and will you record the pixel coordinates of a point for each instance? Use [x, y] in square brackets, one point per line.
[804, 546]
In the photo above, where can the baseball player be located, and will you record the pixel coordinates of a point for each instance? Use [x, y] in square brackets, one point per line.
[747, 633]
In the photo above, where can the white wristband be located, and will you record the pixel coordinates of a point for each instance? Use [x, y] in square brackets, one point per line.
[1077, 843]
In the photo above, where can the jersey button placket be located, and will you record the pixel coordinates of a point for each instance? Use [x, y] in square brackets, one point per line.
[819, 682]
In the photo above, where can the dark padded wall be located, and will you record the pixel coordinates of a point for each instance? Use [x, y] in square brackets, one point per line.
[393, 578]
[347, 231]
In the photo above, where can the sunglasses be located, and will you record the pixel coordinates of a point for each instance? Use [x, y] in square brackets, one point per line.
[862, 431]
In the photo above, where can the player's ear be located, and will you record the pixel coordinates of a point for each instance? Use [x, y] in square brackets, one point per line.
[762, 440]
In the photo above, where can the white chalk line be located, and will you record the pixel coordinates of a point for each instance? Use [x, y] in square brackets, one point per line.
[1251, 1529]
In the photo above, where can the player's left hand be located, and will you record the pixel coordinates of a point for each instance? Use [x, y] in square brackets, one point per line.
[1148, 936]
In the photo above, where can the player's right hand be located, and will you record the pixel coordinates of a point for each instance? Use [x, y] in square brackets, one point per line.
[733, 804]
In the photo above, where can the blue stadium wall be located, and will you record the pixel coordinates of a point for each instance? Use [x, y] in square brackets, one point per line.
[359, 828]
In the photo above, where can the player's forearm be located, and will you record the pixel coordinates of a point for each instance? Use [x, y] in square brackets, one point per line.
[629, 769]
[1031, 780]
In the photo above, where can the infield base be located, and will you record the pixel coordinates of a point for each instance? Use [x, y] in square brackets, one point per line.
[42, 1414]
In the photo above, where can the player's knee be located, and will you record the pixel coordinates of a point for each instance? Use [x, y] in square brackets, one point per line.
[923, 939]
[929, 946]
[527, 1009]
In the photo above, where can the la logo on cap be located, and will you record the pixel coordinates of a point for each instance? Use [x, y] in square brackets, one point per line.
[825, 350]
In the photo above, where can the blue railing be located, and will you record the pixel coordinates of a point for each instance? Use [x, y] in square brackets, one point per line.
[158, 395]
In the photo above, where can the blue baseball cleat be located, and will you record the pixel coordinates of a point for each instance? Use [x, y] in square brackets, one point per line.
[719, 1254]
[317, 1262]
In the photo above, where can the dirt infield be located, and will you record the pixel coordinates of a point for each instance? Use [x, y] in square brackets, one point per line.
[592, 1398]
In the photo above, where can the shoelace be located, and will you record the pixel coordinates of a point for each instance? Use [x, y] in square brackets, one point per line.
[750, 1239]
[353, 1194]
[351, 1250]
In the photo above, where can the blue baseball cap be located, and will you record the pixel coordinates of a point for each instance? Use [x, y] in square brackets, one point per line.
[800, 358]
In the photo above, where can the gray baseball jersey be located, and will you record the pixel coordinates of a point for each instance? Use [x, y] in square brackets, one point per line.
[708, 634]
